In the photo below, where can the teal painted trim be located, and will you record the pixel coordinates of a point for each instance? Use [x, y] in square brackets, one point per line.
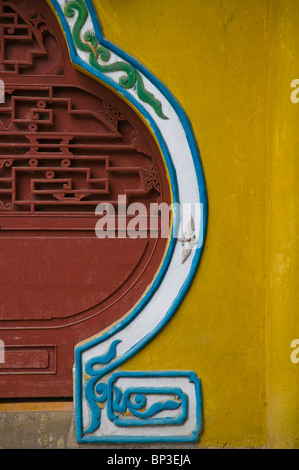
[198, 253]
[90, 44]
[164, 90]
[193, 437]
[121, 402]
[89, 368]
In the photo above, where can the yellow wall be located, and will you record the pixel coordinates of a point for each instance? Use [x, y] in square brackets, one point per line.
[230, 63]
[283, 278]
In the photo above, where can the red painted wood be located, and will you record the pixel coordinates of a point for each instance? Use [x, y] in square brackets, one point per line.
[67, 143]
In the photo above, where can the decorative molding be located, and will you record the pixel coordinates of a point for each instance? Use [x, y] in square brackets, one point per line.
[99, 56]
[71, 158]
[162, 406]
[111, 114]
[151, 178]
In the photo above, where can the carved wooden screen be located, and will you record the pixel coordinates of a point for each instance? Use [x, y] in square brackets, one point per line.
[67, 143]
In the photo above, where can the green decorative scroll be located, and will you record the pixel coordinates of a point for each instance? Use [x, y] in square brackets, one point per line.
[89, 43]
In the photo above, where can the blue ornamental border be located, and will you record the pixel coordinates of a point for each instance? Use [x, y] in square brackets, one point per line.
[77, 60]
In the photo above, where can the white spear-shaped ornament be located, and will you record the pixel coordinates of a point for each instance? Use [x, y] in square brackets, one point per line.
[188, 240]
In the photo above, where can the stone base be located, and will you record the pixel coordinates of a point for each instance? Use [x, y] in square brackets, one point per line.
[45, 429]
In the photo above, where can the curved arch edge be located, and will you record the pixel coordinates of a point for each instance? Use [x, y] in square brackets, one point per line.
[102, 397]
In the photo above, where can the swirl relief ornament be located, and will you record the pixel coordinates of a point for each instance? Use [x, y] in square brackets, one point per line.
[99, 56]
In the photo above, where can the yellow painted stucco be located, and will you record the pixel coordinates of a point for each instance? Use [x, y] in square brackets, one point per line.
[230, 64]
